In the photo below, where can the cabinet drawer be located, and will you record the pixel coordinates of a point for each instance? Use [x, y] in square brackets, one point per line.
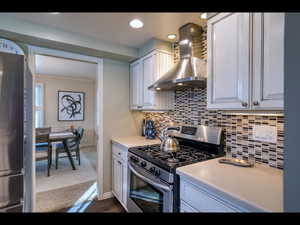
[119, 151]
[185, 208]
[201, 200]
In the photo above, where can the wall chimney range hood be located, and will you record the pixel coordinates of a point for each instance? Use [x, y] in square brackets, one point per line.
[190, 71]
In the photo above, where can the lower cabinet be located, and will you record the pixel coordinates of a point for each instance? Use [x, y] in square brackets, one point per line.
[195, 199]
[119, 174]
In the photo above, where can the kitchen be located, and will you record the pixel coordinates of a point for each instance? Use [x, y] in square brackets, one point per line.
[254, 133]
[198, 122]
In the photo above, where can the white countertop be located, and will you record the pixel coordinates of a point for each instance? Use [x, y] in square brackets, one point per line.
[133, 141]
[260, 187]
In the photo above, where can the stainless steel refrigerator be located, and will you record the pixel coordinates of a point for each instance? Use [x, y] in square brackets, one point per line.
[14, 124]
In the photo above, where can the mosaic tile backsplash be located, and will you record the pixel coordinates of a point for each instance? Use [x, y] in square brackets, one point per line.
[190, 108]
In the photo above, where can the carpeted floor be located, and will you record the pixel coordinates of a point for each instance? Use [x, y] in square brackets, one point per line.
[64, 176]
[64, 186]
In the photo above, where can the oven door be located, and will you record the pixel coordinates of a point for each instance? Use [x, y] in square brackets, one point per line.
[146, 193]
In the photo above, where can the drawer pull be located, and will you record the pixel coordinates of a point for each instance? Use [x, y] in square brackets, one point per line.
[244, 104]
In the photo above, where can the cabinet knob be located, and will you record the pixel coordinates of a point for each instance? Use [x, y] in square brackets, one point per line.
[244, 104]
[255, 103]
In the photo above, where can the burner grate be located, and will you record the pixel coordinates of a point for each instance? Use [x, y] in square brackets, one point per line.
[185, 154]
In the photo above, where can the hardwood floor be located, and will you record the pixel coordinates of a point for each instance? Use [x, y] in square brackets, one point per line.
[110, 205]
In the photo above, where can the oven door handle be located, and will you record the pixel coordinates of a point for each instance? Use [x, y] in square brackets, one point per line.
[164, 187]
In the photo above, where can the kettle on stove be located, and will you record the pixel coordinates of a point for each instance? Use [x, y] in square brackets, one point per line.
[169, 143]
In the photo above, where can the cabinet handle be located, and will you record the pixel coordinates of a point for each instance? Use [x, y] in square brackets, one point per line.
[255, 103]
[244, 104]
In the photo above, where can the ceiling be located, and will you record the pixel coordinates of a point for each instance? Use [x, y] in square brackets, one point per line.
[48, 65]
[114, 27]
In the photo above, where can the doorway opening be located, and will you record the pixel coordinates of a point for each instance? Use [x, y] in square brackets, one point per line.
[67, 101]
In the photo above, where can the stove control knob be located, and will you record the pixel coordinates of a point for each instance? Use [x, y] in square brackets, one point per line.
[157, 172]
[134, 159]
[152, 170]
[143, 164]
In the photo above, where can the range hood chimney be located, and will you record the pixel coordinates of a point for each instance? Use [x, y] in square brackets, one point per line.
[190, 71]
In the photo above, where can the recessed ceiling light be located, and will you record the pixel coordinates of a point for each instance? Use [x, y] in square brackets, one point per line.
[172, 36]
[54, 13]
[203, 16]
[180, 84]
[136, 23]
[158, 89]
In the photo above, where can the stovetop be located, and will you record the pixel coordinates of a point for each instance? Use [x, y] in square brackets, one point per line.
[170, 161]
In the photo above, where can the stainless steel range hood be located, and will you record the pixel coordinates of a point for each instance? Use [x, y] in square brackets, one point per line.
[191, 69]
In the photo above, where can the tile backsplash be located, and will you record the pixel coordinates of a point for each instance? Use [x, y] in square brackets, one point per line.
[190, 108]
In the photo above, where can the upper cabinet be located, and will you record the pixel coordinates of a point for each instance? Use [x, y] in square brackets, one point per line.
[143, 73]
[136, 81]
[268, 60]
[245, 61]
[228, 61]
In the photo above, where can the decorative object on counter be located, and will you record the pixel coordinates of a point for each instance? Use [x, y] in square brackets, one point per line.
[236, 162]
[143, 127]
[71, 106]
[150, 131]
[190, 108]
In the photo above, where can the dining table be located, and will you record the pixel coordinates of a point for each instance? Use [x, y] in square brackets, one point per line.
[62, 136]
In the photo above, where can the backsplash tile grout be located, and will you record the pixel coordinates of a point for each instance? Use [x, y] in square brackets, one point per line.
[190, 108]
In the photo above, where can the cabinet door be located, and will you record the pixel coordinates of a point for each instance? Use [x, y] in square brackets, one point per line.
[228, 61]
[124, 183]
[117, 178]
[164, 100]
[156, 65]
[136, 81]
[185, 208]
[268, 60]
[149, 78]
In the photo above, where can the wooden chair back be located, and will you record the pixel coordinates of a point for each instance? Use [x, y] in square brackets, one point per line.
[72, 143]
[42, 134]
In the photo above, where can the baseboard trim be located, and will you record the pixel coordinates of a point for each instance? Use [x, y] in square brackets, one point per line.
[107, 195]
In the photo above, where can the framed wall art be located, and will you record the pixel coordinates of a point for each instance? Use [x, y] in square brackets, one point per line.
[71, 106]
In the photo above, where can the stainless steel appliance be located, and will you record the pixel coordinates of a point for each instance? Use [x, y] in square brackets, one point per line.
[13, 69]
[191, 69]
[153, 185]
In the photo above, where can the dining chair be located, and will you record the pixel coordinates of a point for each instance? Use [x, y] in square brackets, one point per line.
[73, 145]
[43, 146]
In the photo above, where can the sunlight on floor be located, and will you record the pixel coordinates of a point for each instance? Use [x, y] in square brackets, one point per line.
[85, 200]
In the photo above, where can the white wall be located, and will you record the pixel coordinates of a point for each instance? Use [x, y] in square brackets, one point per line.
[118, 119]
[52, 84]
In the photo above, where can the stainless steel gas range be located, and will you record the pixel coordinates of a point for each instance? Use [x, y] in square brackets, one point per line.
[153, 185]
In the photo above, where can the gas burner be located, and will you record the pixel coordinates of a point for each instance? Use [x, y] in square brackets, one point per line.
[172, 160]
[186, 154]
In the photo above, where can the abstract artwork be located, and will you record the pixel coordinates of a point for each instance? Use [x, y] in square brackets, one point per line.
[70, 106]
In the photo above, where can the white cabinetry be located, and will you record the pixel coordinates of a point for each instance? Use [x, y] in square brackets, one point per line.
[117, 177]
[136, 81]
[228, 61]
[143, 73]
[245, 61]
[194, 198]
[119, 173]
[268, 60]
